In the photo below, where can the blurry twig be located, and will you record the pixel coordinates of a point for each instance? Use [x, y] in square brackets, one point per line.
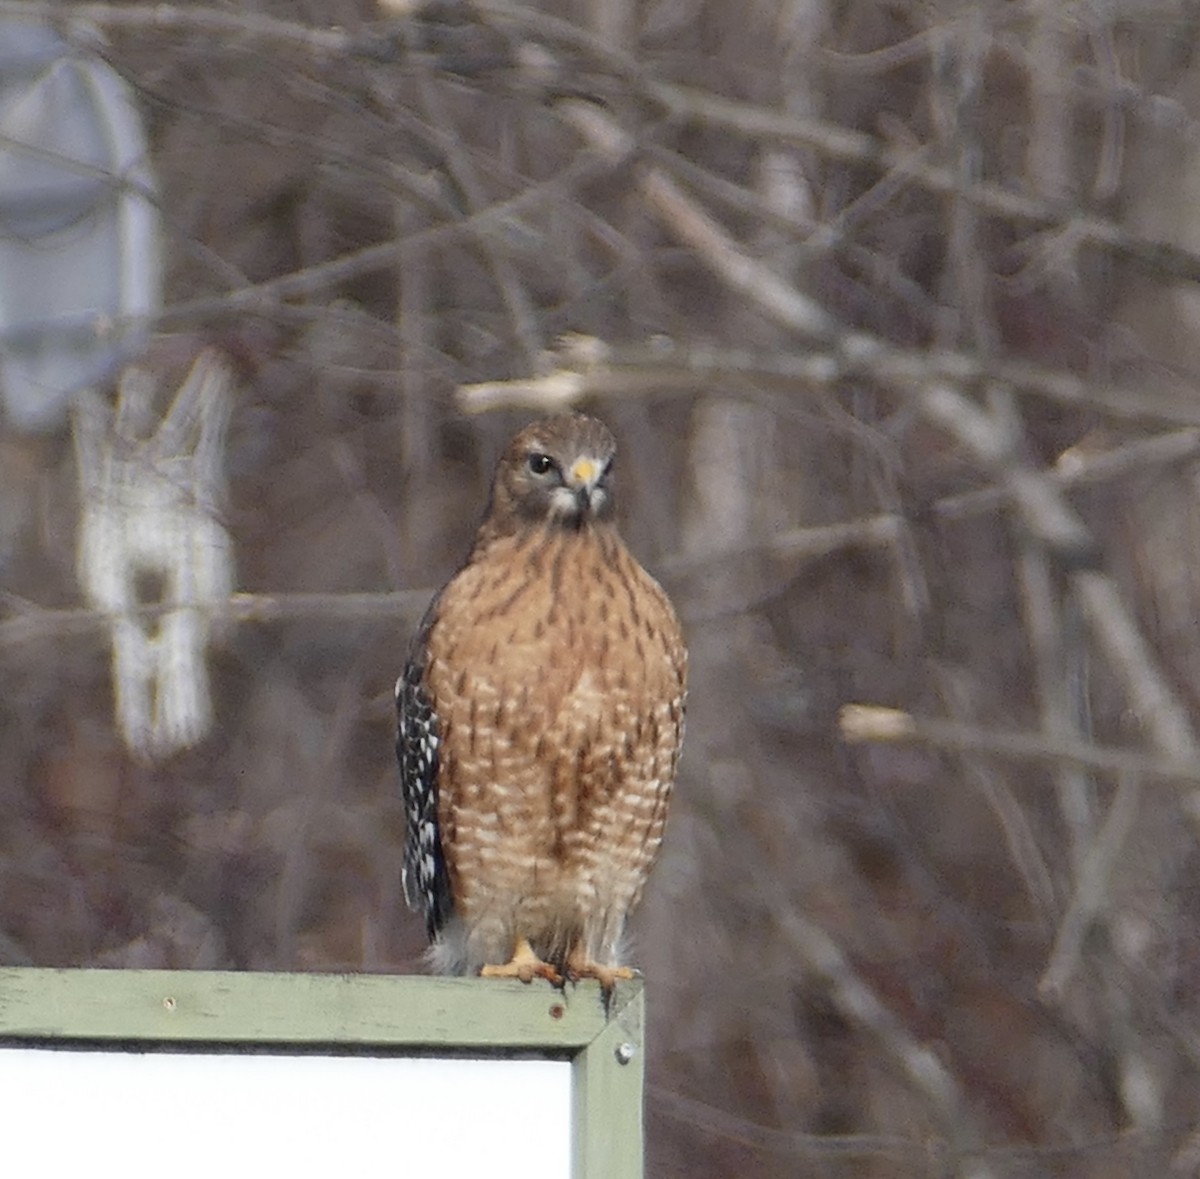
[815, 541]
[864, 723]
[1117, 632]
[270, 297]
[1091, 886]
[1044, 512]
[1048, 517]
[190, 19]
[587, 367]
[720, 1123]
[683, 217]
[29, 623]
[1052, 534]
[1075, 469]
[862, 1007]
[760, 122]
[461, 167]
[1019, 831]
[1055, 643]
[752, 120]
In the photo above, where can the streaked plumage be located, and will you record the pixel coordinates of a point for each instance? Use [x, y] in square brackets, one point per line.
[541, 717]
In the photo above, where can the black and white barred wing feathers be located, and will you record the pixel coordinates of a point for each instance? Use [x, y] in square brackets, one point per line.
[426, 886]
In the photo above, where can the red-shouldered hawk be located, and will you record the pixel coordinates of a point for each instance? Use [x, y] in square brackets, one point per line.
[541, 717]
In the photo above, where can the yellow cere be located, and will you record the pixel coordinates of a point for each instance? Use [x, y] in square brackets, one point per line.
[584, 471]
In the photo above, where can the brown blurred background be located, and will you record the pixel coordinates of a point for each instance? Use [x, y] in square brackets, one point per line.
[893, 310]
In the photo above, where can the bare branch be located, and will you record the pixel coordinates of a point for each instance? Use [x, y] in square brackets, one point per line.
[874, 723]
[190, 19]
[1051, 520]
[1077, 468]
[859, 1004]
[754, 121]
[29, 623]
[587, 367]
[1091, 889]
[684, 218]
[720, 1123]
[1118, 634]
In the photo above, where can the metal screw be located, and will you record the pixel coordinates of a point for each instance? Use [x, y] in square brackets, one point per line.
[625, 1052]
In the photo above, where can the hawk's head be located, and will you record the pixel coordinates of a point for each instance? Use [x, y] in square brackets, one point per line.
[557, 471]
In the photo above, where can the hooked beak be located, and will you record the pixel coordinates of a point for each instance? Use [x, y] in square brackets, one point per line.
[582, 479]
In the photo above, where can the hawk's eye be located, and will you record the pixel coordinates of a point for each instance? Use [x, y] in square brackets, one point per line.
[540, 464]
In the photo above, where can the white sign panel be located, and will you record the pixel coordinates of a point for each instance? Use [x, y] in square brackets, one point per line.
[176, 1114]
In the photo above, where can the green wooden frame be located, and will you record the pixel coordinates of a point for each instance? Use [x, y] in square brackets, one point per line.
[370, 1013]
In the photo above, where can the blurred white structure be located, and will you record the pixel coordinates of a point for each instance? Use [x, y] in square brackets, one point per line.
[80, 252]
[152, 550]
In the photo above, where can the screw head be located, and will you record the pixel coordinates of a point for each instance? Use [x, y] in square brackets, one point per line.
[625, 1052]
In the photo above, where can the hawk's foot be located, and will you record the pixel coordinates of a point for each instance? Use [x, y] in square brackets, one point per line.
[579, 967]
[525, 965]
